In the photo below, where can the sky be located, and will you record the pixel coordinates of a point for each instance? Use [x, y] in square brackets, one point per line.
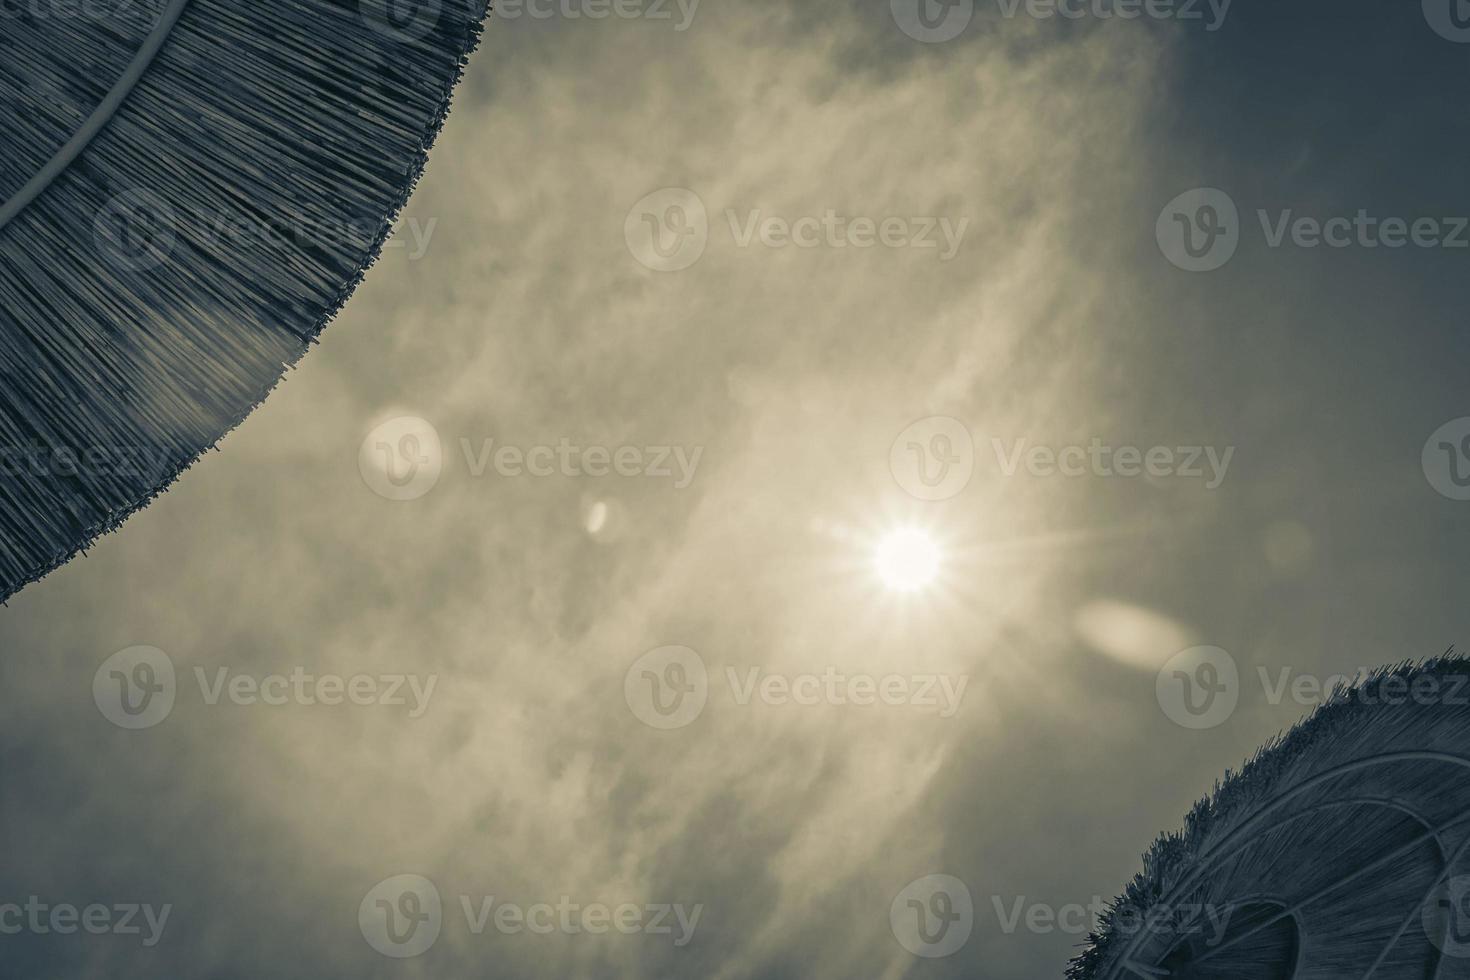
[909, 273]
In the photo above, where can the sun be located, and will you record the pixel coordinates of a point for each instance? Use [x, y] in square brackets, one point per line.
[907, 560]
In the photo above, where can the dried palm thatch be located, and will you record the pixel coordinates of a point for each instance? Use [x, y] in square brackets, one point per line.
[1338, 853]
[189, 191]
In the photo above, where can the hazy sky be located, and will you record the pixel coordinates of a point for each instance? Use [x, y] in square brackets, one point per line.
[1020, 740]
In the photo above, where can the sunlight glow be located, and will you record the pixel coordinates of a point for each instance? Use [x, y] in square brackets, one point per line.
[907, 560]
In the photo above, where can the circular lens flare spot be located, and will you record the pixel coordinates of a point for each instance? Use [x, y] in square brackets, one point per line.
[907, 560]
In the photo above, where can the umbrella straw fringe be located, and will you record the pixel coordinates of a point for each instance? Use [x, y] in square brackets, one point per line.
[156, 288]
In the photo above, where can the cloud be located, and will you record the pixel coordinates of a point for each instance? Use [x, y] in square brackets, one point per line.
[528, 321]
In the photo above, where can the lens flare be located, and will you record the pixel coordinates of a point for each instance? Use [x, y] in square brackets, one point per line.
[907, 560]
